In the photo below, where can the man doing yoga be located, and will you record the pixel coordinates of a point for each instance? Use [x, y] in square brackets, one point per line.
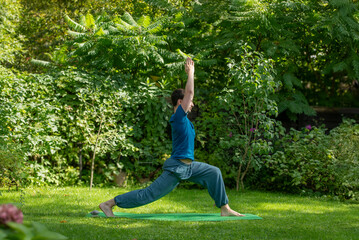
[181, 164]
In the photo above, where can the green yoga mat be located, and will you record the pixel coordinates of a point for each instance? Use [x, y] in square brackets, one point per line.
[178, 216]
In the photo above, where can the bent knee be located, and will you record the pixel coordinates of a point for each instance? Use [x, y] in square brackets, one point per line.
[216, 171]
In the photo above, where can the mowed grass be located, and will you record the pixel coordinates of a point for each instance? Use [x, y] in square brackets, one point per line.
[284, 216]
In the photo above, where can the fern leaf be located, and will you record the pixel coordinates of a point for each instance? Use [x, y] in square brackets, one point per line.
[299, 97]
[156, 39]
[282, 106]
[155, 27]
[144, 21]
[287, 80]
[162, 43]
[129, 19]
[41, 63]
[339, 67]
[208, 62]
[84, 47]
[297, 82]
[178, 16]
[175, 65]
[309, 111]
[74, 25]
[168, 54]
[112, 29]
[100, 32]
[90, 21]
[182, 54]
[124, 26]
[83, 20]
[157, 57]
[295, 107]
[339, 3]
[76, 34]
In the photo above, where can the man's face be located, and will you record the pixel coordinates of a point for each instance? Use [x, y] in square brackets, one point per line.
[190, 106]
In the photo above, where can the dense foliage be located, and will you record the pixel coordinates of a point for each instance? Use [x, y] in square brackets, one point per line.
[10, 42]
[57, 117]
[240, 117]
[101, 73]
[311, 160]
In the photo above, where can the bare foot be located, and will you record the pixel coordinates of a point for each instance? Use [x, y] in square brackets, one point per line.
[227, 211]
[106, 207]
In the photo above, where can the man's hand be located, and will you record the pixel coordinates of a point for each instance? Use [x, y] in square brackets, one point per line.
[189, 66]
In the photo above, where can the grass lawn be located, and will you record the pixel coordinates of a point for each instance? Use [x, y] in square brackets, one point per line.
[284, 216]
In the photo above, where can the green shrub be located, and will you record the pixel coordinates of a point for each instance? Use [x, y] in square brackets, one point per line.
[301, 160]
[240, 116]
[344, 150]
[57, 116]
[312, 160]
[10, 41]
[11, 165]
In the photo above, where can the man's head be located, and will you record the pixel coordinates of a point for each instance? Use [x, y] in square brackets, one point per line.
[177, 97]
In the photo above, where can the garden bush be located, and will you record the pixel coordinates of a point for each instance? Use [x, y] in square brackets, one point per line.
[301, 159]
[312, 161]
[12, 171]
[57, 116]
[240, 117]
[10, 40]
[344, 150]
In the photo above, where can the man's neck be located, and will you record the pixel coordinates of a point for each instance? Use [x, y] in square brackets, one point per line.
[175, 109]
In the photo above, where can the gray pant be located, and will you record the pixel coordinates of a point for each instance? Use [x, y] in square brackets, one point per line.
[174, 171]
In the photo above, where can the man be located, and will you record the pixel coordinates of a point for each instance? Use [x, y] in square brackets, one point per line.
[181, 164]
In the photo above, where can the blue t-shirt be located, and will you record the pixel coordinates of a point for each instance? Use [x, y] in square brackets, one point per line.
[183, 135]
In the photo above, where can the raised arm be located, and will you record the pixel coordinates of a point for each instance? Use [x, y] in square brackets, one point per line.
[189, 90]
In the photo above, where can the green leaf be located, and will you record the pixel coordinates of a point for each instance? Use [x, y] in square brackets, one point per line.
[2, 234]
[339, 67]
[144, 21]
[100, 32]
[48, 235]
[25, 231]
[124, 26]
[129, 19]
[182, 54]
[76, 34]
[290, 80]
[39, 227]
[155, 27]
[77, 27]
[89, 21]
[41, 63]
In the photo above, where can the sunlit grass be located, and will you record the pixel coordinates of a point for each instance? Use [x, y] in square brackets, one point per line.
[284, 216]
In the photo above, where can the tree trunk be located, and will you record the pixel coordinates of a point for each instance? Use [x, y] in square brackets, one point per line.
[94, 155]
[238, 176]
[80, 162]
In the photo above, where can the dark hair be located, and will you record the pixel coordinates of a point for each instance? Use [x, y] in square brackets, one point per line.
[177, 94]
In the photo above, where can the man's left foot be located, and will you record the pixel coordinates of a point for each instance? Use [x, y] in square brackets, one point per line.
[227, 211]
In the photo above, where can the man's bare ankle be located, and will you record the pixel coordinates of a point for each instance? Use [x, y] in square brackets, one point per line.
[106, 208]
[227, 211]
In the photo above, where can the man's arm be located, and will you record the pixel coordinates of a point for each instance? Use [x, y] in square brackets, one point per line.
[189, 90]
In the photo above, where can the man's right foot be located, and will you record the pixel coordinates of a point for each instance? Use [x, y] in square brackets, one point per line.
[106, 209]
